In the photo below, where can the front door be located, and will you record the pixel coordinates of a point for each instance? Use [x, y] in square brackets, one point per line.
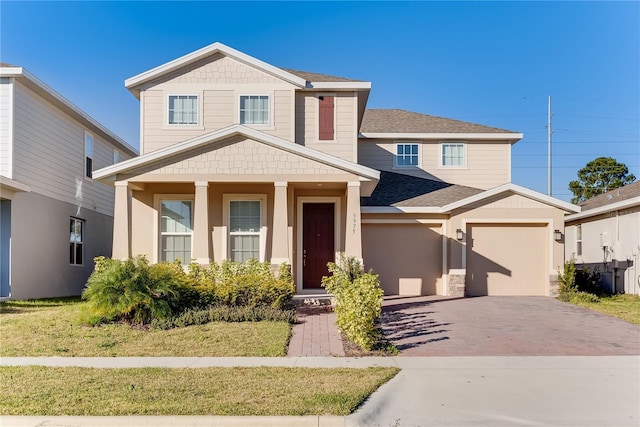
[317, 242]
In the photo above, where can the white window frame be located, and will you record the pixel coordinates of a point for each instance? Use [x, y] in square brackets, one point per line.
[226, 218]
[81, 242]
[157, 202]
[335, 119]
[269, 123]
[89, 147]
[116, 156]
[441, 154]
[196, 125]
[395, 155]
[579, 240]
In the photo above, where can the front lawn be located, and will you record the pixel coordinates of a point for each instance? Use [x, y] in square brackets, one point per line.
[52, 328]
[623, 306]
[204, 391]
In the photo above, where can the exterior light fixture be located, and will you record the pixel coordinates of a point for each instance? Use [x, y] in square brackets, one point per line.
[459, 234]
[557, 235]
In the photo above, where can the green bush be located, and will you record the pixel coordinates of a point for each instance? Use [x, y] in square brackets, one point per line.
[567, 281]
[583, 297]
[226, 314]
[358, 301]
[579, 285]
[133, 290]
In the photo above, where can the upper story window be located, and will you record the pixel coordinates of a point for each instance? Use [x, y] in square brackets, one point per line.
[183, 109]
[76, 240]
[407, 155]
[116, 156]
[254, 109]
[453, 154]
[326, 118]
[88, 155]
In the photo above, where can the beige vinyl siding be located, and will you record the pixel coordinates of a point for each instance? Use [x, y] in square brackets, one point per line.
[6, 107]
[488, 163]
[345, 124]
[219, 81]
[49, 154]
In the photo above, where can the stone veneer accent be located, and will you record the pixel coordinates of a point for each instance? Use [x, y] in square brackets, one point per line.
[554, 284]
[456, 287]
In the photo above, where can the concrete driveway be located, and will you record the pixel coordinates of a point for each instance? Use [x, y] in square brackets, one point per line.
[504, 326]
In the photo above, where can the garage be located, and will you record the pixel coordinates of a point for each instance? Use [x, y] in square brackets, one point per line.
[507, 259]
[406, 256]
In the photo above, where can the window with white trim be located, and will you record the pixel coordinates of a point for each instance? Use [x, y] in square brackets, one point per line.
[407, 155]
[183, 110]
[76, 240]
[176, 230]
[579, 239]
[88, 155]
[254, 109]
[452, 154]
[116, 156]
[244, 229]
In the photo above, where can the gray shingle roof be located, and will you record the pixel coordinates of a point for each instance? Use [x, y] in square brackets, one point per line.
[395, 189]
[618, 195]
[402, 121]
[315, 77]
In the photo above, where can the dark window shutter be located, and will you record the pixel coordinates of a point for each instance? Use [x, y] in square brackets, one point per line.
[326, 118]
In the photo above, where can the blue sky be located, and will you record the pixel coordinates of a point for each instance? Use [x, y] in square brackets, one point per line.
[492, 63]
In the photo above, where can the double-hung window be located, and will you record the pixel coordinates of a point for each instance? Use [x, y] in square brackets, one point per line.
[407, 155]
[76, 241]
[453, 154]
[88, 155]
[245, 220]
[176, 230]
[254, 109]
[183, 109]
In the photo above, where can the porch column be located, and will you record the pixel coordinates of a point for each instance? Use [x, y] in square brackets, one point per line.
[280, 232]
[201, 230]
[121, 221]
[353, 232]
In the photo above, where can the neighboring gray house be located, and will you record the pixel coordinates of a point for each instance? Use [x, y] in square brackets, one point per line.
[606, 234]
[54, 217]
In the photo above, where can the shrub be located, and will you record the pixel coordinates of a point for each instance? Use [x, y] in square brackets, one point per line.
[579, 285]
[583, 297]
[589, 280]
[358, 300]
[567, 281]
[226, 314]
[132, 290]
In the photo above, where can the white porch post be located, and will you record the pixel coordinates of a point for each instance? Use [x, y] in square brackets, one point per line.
[280, 232]
[201, 224]
[353, 232]
[121, 229]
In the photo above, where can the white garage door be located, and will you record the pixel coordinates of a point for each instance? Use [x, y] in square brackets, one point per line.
[407, 257]
[507, 259]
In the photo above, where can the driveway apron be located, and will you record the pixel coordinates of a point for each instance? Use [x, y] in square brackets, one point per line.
[504, 326]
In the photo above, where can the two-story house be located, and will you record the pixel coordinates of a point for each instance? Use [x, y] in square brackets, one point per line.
[54, 218]
[241, 159]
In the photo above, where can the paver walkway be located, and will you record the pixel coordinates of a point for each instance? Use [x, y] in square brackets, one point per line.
[316, 333]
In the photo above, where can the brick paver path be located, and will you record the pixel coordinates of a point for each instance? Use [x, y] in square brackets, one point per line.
[316, 333]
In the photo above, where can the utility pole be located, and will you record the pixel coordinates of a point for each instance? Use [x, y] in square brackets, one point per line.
[549, 132]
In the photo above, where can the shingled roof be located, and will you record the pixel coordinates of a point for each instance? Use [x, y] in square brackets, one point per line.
[402, 121]
[315, 77]
[618, 195]
[400, 190]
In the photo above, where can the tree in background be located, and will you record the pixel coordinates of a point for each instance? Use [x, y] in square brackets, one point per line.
[599, 176]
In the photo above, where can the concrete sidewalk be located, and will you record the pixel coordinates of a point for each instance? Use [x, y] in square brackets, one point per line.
[429, 391]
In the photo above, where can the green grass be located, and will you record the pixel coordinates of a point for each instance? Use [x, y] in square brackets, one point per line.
[52, 328]
[203, 391]
[624, 306]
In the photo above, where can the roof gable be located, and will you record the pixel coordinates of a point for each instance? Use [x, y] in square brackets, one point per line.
[134, 83]
[193, 147]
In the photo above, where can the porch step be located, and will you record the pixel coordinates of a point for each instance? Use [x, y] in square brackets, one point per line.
[312, 300]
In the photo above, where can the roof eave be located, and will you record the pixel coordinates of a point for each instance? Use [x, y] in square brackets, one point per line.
[623, 204]
[339, 85]
[511, 137]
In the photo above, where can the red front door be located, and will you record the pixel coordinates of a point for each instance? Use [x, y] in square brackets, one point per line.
[317, 242]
